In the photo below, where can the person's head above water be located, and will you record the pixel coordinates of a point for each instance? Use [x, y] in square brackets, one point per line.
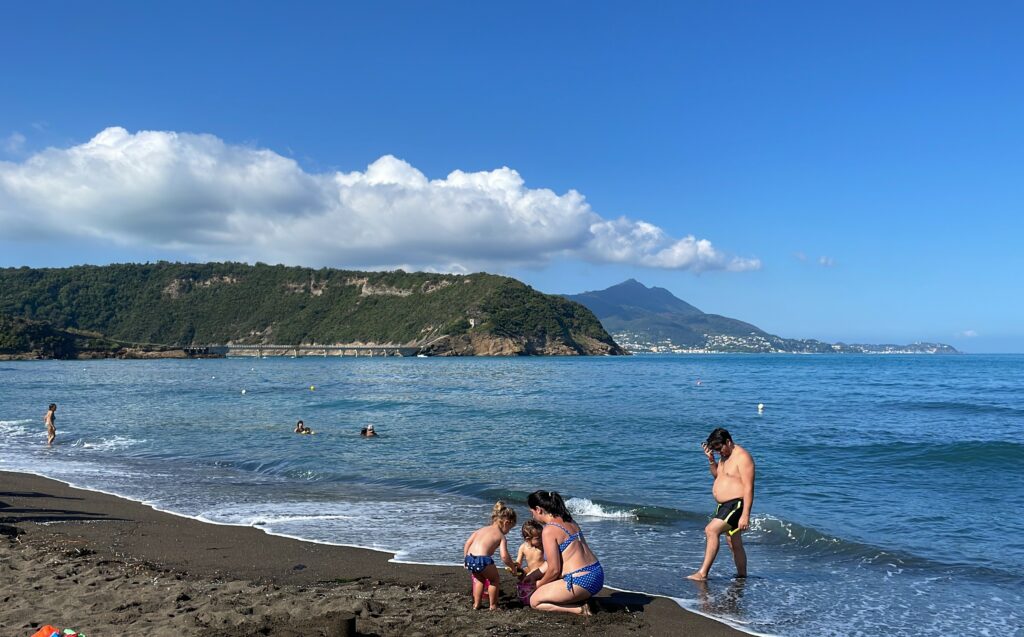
[548, 502]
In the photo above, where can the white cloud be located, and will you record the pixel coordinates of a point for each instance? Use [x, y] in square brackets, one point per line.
[826, 262]
[202, 197]
[13, 143]
[968, 334]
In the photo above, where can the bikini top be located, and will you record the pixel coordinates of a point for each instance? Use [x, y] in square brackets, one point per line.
[569, 540]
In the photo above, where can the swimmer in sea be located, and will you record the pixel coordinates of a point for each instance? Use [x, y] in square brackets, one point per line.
[301, 428]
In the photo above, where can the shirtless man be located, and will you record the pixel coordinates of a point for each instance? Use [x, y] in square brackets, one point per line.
[734, 492]
[49, 420]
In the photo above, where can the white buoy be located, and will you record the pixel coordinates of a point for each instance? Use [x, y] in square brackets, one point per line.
[760, 408]
[312, 388]
[243, 392]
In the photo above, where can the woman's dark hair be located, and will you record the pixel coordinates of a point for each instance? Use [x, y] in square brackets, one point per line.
[719, 437]
[551, 502]
[53, 406]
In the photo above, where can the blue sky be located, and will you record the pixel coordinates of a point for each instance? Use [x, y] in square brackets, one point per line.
[842, 171]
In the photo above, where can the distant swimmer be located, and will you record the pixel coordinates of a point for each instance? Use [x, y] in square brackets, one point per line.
[367, 432]
[50, 420]
[699, 383]
[734, 491]
[301, 428]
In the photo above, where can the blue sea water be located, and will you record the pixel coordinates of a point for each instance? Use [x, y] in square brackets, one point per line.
[889, 488]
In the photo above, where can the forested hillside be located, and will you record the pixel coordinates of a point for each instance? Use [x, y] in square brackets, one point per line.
[214, 303]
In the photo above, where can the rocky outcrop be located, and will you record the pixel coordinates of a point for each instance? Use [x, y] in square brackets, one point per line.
[491, 345]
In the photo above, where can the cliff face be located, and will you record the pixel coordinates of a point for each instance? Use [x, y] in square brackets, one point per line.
[172, 304]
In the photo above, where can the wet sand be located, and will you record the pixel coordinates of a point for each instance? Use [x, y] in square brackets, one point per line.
[104, 565]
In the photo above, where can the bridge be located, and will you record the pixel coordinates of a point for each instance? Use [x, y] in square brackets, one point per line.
[297, 351]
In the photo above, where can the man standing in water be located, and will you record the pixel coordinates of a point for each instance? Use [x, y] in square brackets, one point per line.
[734, 491]
[50, 421]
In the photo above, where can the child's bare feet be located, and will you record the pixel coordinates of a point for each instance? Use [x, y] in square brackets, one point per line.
[698, 577]
[492, 608]
[585, 610]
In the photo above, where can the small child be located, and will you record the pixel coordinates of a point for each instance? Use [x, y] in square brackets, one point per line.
[531, 550]
[480, 547]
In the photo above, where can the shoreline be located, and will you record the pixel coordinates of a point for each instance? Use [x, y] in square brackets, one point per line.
[312, 582]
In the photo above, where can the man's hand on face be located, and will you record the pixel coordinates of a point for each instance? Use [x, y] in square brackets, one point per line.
[707, 451]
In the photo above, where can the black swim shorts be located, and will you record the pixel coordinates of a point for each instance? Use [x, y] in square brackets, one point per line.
[730, 512]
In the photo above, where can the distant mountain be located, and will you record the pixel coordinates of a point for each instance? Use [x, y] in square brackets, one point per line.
[657, 314]
[653, 319]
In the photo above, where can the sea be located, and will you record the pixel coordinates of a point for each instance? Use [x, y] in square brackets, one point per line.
[889, 491]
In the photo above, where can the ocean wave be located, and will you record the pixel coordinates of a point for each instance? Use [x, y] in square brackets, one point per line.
[969, 452]
[584, 507]
[285, 519]
[14, 425]
[958, 407]
[114, 443]
[11, 430]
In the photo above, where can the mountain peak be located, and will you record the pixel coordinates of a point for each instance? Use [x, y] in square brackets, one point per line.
[633, 307]
[631, 295]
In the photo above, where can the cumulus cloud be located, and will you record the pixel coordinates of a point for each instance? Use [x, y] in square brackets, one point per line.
[826, 262]
[197, 195]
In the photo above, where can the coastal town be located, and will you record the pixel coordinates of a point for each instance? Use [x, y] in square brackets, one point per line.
[637, 343]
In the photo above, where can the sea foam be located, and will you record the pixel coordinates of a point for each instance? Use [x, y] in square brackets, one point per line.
[584, 507]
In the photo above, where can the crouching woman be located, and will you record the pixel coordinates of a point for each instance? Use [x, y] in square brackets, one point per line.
[573, 573]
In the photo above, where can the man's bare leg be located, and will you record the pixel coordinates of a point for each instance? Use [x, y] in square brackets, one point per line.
[713, 530]
[739, 554]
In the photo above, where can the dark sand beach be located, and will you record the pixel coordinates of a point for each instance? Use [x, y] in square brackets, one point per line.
[105, 565]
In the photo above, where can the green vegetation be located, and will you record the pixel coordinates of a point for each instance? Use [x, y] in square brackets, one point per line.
[19, 336]
[178, 304]
[24, 338]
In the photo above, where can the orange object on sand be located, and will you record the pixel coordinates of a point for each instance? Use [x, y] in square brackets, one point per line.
[46, 631]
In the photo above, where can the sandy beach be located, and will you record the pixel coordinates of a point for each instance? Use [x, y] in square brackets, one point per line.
[103, 565]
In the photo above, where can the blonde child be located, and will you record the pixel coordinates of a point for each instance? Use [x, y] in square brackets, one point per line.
[480, 547]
